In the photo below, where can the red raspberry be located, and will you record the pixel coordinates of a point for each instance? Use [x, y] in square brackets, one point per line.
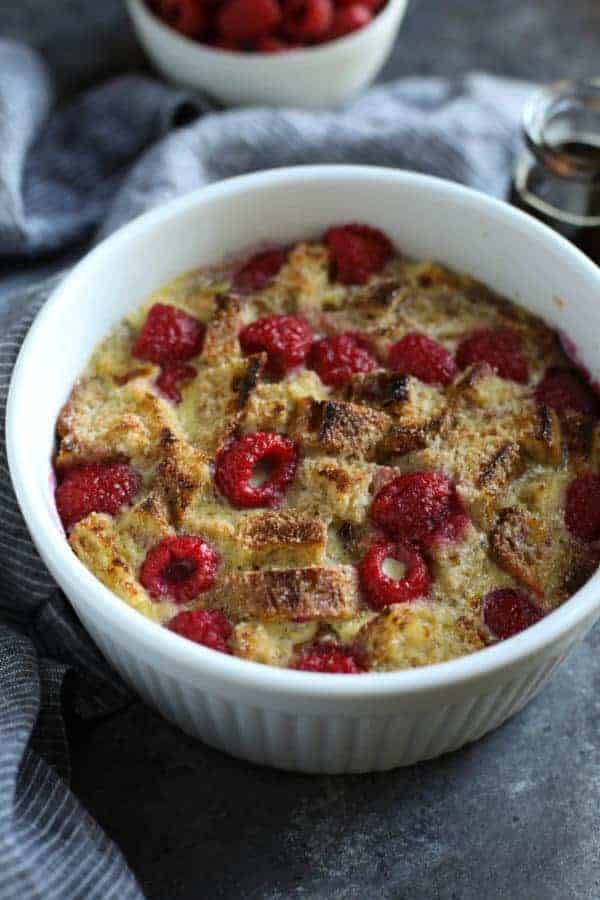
[245, 21]
[418, 355]
[259, 271]
[237, 461]
[307, 20]
[507, 612]
[357, 251]
[331, 658]
[97, 487]
[169, 335]
[382, 590]
[179, 568]
[286, 340]
[190, 17]
[372, 5]
[204, 626]
[582, 513]
[222, 43]
[348, 19]
[336, 359]
[565, 389]
[420, 507]
[271, 44]
[500, 348]
[171, 377]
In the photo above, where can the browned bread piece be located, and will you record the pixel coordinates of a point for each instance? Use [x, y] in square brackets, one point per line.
[417, 634]
[103, 421]
[227, 319]
[115, 554]
[316, 593]
[285, 538]
[271, 643]
[183, 476]
[271, 405]
[544, 560]
[480, 450]
[214, 402]
[332, 488]
[335, 427]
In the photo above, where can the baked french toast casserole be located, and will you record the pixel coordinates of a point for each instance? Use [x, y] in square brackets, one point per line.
[331, 457]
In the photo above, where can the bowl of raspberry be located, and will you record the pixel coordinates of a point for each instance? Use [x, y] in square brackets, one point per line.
[336, 701]
[303, 53]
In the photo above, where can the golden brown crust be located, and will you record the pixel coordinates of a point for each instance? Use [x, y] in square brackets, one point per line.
[338, 428]
[315, 593]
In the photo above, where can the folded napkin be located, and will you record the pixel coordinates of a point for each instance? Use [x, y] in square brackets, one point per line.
[66, 175]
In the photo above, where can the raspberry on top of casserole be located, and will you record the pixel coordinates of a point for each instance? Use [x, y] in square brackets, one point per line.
[333, 458]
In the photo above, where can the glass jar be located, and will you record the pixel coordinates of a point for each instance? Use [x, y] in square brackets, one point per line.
[557, 177]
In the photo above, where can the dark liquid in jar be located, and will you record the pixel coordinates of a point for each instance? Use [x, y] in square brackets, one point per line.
[580, 198]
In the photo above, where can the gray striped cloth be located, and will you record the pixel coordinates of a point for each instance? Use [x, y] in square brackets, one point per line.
[92, 166]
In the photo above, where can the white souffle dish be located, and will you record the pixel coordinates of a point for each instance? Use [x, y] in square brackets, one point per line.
[280, 717]
[317, 77]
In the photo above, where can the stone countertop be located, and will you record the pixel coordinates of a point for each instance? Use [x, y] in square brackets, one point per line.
[512, 816]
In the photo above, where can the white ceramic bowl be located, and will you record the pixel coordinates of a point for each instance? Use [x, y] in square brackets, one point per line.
[313, 78]
[298, 720]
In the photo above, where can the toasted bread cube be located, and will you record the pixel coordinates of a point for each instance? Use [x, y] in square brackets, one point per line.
[416, 410]
[214, 401]
[284, 537]
[408, 635]
[336, 427]
[542, 438]
[324, 486]
[541, 558]
[183, 476]
[103, 421]
[315, 593]
[227, 320]
[100, 547]
[271, 405]
[271, 643]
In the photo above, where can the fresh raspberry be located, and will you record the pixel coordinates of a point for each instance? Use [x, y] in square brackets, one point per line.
[382, 590]
[307, 20]
[336, 359]
[171, 377]
[582, 513]
[245, 21]
[372, 5]
[349, 18]
[418, 355]
[223, 43]
[500, 348]
[259, 271]
[421, 507]
[190, 17]
[237, 461]
[179, 568]
[286, 340]
[332, 658]
[97, 487]
[357, 251]
[169, 335]
[271, 44]
[507, 612]
[565, 389]
[204, 626]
